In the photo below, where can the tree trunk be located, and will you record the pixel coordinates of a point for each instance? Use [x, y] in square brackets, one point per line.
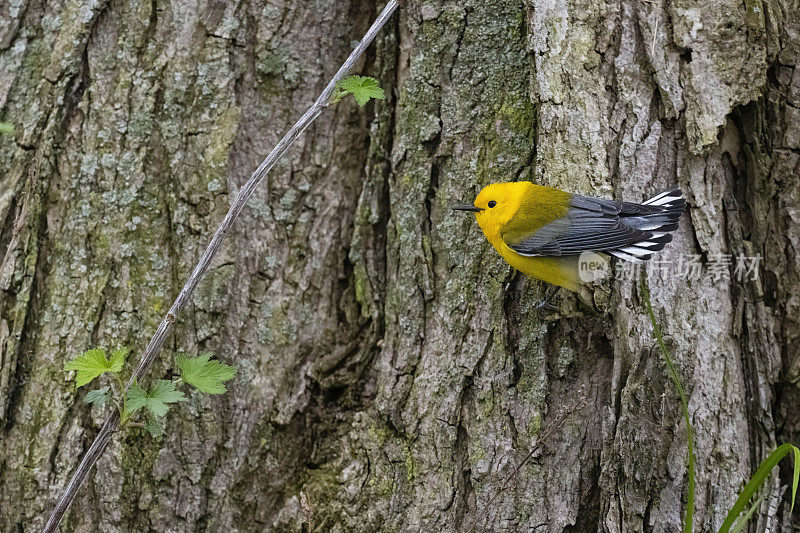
[394, 372]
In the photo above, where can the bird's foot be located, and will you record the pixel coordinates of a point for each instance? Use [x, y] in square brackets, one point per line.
[546, 303]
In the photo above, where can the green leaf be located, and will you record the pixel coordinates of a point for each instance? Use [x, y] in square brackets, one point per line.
[118, 358]
[758, 480]
[361, 87]
[739, 525]
[6, 128]
[93, 363]
[97, 397]
[154, 425]
[206, 376]
[135, 398]
[162, 393]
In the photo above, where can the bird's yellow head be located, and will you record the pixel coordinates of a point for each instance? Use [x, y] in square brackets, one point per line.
[497, 204]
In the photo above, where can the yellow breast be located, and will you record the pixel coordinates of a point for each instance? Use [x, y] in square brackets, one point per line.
[561, 271]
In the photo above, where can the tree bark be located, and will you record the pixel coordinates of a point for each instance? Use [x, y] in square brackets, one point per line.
[394, 372]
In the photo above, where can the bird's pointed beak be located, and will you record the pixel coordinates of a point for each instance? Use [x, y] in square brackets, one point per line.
[466, 207]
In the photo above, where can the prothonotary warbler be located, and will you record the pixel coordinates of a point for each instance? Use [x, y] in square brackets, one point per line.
[542, 231]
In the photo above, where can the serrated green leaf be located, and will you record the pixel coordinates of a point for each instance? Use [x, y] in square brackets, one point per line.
[97, 397]
[118, 358]
[154, 425]
[156, 400]
[135, 398]
[361, 87]
[204, 375]
[93, 363]
[354, 83]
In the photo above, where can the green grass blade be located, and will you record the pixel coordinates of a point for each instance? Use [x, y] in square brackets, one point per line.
[687, 524]
[739, 525]
[796, 477]
[758, 480]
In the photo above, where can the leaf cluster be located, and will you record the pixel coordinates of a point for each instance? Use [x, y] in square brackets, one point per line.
[363, 89]
[201, 372]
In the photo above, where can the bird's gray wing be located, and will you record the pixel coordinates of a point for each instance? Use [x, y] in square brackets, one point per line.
[598, 225]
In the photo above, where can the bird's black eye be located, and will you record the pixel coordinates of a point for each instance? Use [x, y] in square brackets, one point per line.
[492, 203]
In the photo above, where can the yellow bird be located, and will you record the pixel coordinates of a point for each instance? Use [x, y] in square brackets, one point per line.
[542, 231]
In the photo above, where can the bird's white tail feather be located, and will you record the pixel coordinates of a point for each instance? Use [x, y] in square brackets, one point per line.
[666, 198]
[659, 225]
